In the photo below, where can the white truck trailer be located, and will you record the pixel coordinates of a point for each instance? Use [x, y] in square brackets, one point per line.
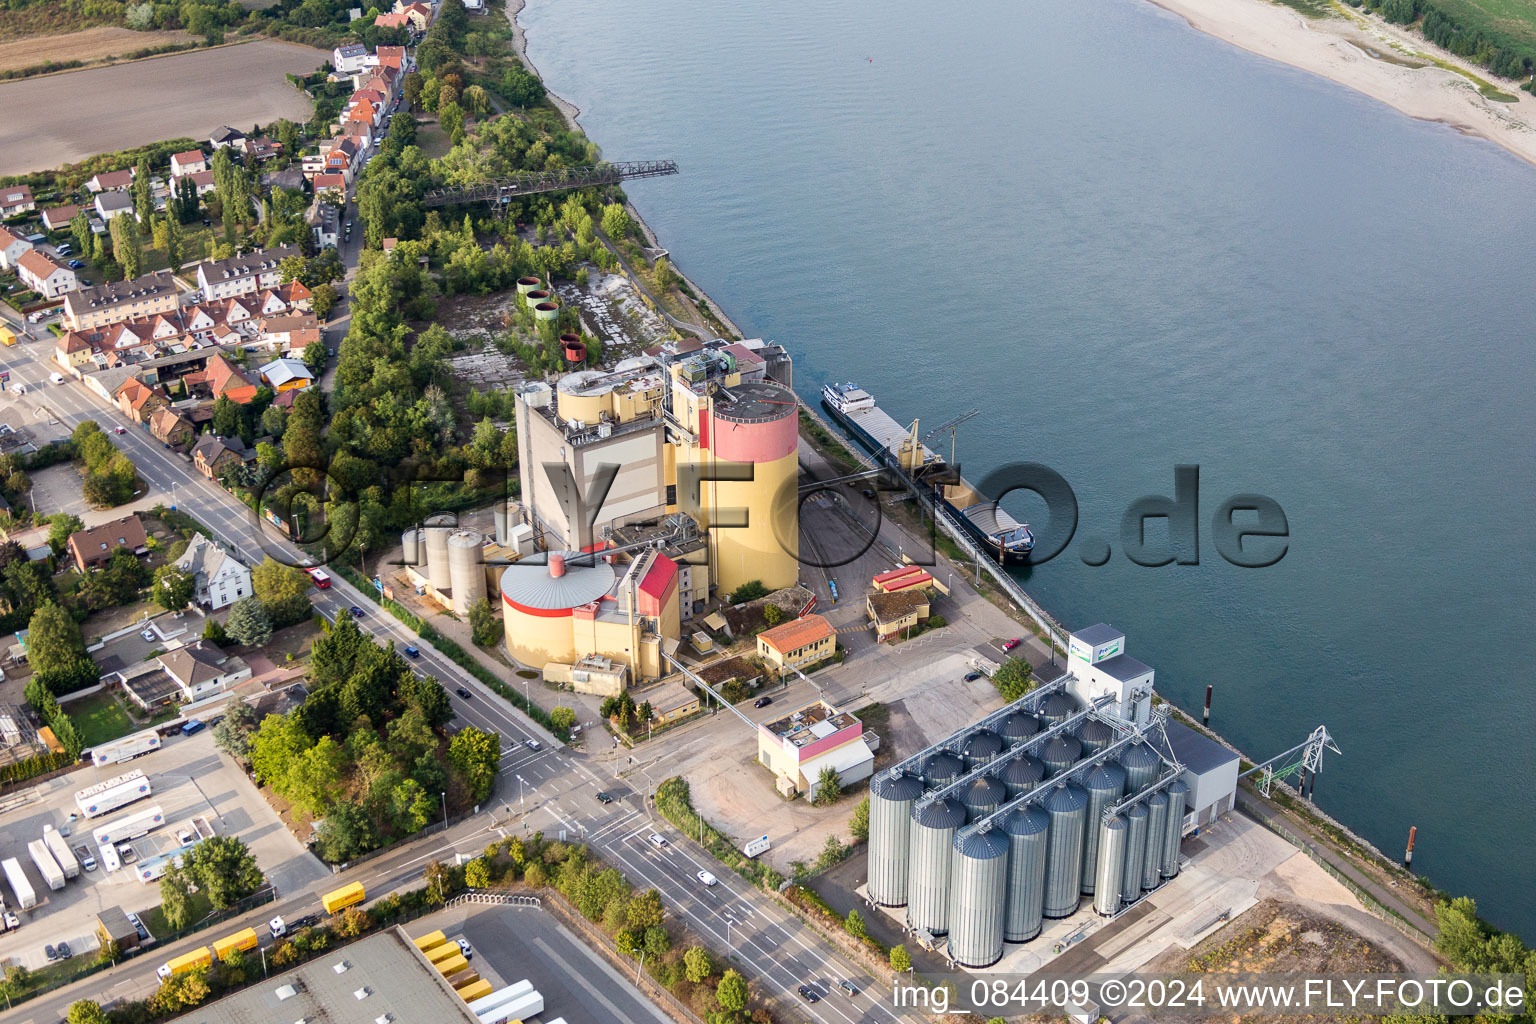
[61, 852]
[26, 898]
[46, 865]
[108, 796]
[132, 826]
[501, 995]
[521, 1008]
[127, 748]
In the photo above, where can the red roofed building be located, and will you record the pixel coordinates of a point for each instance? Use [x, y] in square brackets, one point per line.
[902, 578]
[223, 380]
[189, 162]
[799, 643]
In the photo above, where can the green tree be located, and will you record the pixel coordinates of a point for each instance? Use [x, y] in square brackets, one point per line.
[248, 623]
[901, 960]
[127, 249]
[410, 807]
[854, 924]
[731, 992]
[315, 780]
[83, 1011]
[315, 357]
[80, 232]
[322, 300]
[143, 202]
[773, 615]
[60, 526]
[616, 222]
[224, 870]
[233, 733]
[345, 833]
[1014, 679]
[698, 965]
[562, 717]
[1461, 935]
[53, 640]
[751, 590]
[228, 417]
[645, 911]
[858, 825]
[173, 588]
[828, 788]
[477, 873]
[476, 756]
[176, 897]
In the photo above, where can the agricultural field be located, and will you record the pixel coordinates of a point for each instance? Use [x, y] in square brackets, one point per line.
[92, 44]
[1513, 19]
[60, 119]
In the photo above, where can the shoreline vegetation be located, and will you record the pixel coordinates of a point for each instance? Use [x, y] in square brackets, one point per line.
[1389, 63]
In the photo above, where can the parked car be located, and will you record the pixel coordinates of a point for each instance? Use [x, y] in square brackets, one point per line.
[657, 840]
[1011, 644]
[469, 954]
[138, 926]
[75, 264]
[762, 702]
[51, 953]
[533, 744]
[706, 878]
[148, 634]
[971, 677]
[64, 951]
[463, 693]
[411, 652]
[193, 725]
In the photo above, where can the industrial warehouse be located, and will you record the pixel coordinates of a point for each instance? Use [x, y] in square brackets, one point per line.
[1080, 789]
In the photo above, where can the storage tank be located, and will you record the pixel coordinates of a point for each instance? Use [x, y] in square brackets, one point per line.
[1141, 765]
[1018, 727]
[534, 296]
[410, 542]
[1021, 774]
[539, 600]
[1157, 838]
[890, 835]
[466, 578]
[1057, 708]
[438, 529]
[980, 747]
[1135, 852]
[528, 284]
[1060, 753]
[1105, 785]
[982, 797]
[547, 310]
[503, 516]
[1026, 829]
[1095, 735]
[573, 349]
[928, 870]
[977, 899]
[1067, 806]
[941, 769]
[1111, 862]
[1178, 796]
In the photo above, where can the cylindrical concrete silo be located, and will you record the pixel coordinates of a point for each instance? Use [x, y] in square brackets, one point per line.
[928, 867]
[1027, 829]
[1178, 795]
[1060, 753]
[1111, 862]
[1018, 727]
[1141, 765]
[1095, 735]
[410, 542]
[534, 296]
[1105, 785]
[976, 899]
[528, 284]
[1021, 774]
[890, 835]
[465, 575]
[437, 530]
[539, 600]
[982, 797]
[546, 310]
[1135, 853]
[941, 769]
[1057, 708]
[1068, 807]
[1157, 838]
[502, 522]
[980, 747]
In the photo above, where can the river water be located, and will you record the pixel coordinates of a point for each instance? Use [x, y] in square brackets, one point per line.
[1132, 246]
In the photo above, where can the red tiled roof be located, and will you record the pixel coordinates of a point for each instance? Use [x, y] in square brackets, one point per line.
[797, 634]
[37, 263]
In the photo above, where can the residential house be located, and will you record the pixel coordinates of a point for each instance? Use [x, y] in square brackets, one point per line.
[202, 182]
[72, 350]
[335, 181]
[286, 375]
[796, 644]
[341, 157]
[113, 204]
[11, 248]
[16, 199]
[413, 19]
[138, 400]
[474, 5]
[189, 162]
[170, 426]
[57, 218]
[93, 547]
[111, 181]
[288, 177]
[40, 273]
[120, 300]
[261, 150]
[349, 59]
[325, 222]
[214, 456]
[223, 380]
[292, 332]
[202, 670]
[390, 57]
[241, 275]
[226, 136]
[220, 578]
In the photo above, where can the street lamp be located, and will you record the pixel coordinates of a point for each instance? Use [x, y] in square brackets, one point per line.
[445, 808]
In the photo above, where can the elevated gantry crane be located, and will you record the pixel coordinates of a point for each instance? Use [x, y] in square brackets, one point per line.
[503, 190]
[1307, 756]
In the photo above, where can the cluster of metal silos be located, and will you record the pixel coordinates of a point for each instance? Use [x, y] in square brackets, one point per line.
[451, 559]
[1138, 849]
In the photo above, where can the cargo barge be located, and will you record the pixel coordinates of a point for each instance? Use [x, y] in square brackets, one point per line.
[854, 409]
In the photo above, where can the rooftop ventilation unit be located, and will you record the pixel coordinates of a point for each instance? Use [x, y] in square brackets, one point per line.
[287, 992]
[341, 967]
[362, 993]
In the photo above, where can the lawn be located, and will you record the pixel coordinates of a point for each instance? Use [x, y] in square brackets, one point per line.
[99, 718]
[154, 918]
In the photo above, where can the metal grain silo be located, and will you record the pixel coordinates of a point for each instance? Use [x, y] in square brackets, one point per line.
[410, 542]
[890, 835]
[980, 747]
[1057, 708]
[941, 769]
[1027, 829]
[1105, 785]
[928, 865]
[977, 899]
[1068, 809]
[438, 529]
[1060, 753]
[1178, 797]
[1135, 852]
[1113, 836]
[1021, 774]
[1095, 735]
[982, 797]
[1018, 727]
[1142, 766]
[502, 520]
[466, 573]
[1157, 829]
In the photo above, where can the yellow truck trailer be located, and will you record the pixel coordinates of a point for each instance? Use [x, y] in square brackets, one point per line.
[437, 954]
[244, 941]
[475, 990]
[453, 965]
[340, 899]
[426, 942]
[186, 962]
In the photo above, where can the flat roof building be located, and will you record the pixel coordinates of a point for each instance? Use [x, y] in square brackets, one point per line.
[797, 747]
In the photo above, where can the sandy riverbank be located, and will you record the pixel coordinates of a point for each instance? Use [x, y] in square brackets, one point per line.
[1365, 54]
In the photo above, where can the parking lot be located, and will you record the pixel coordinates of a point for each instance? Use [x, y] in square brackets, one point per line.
[190, 780]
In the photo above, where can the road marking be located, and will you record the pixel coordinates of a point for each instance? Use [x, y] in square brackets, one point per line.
[607, 969]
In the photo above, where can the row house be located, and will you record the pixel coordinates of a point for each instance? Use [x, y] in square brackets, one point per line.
[120, 300]
[139, 401]
[230, 322]
[242, 275]
[169, 426]
[16, 199]
[40, 273]
[111, 181]
[391, 57]
[12, 246]
[189, 162]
